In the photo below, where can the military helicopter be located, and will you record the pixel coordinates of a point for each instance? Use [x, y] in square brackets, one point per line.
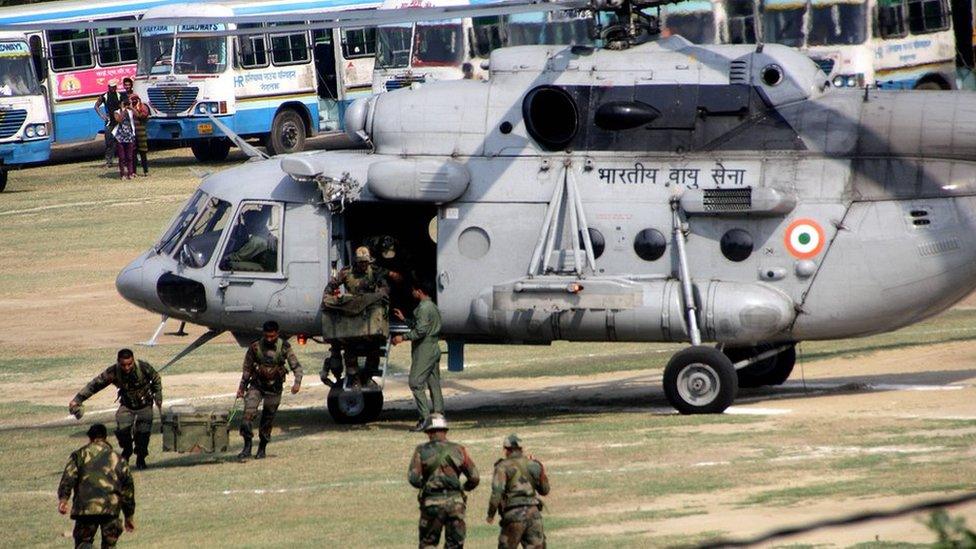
[648, 191]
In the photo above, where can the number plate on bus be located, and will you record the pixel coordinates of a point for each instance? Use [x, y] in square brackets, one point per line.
[205, 128]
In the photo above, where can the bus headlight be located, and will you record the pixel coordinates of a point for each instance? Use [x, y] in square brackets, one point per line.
[41, 130]
[848, 80]
[30, 132]
[206, 107]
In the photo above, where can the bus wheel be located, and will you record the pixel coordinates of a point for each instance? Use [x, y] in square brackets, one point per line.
[929, 85]
[3, 178]
[287, 133]
[210, 150]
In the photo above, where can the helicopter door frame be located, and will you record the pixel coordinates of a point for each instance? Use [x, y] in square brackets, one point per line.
[279, 274]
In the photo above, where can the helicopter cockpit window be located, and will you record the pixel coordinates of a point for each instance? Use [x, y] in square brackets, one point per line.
[438, 45]
[181, 223]
[201, 240]
[693, 20]
[783, 23]
[837, 23]
[253, 242]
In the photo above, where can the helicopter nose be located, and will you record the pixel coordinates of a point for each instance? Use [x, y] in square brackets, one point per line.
[129, 284]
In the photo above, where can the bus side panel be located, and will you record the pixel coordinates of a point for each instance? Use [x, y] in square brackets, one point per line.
[76, 121]
[255, 116]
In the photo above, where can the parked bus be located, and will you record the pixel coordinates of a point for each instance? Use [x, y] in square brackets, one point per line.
[711, 21]
[75, 66]
[453, 49]
[24, 123]
[280, 87]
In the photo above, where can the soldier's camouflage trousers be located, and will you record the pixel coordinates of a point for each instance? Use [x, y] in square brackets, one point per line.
[522, 525]
[134, 425]
[450, 518]
[87, 527]
[252, 399]
[352, 352]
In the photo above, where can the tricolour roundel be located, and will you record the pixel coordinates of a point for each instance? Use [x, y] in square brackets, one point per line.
[804, 238]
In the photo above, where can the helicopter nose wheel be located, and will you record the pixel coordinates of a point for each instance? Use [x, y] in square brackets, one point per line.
[700, 380]
[353, 405]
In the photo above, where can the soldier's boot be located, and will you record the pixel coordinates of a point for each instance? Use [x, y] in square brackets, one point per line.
[248, 435]
[142, 449]
[262, 446]
[125, 442]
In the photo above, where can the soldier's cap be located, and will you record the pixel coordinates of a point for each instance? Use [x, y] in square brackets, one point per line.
[437, 423]
[270, 326]
[362, 255]
[512, 441]
[97, 431]
[113, 83]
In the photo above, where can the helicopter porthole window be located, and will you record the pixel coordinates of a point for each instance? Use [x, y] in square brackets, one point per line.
[772, 75]
[551, 117]
[650, 244]
[474, 243]
[736, 245]
[599, 243]
[505, 128]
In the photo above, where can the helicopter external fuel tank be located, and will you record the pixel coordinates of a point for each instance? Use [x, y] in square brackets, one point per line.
[620, 309]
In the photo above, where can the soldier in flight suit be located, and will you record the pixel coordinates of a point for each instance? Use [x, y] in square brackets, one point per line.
[262, 381]
[259, 251]
[515, 489]
[436, 469]
[362, 278]
[139, 386]
[102, 486]
[425, 353]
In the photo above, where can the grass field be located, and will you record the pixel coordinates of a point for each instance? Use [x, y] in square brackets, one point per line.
[624, 473]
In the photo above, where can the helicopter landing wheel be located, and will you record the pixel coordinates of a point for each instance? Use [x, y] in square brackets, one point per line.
[353, 406]
[774, 370]
[700, 380]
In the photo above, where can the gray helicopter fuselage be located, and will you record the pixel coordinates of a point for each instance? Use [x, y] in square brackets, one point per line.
[810, 213]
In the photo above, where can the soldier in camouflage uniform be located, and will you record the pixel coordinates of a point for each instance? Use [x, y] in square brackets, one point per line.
[425, 353]
[362, 278]
[435, 469]
[102, 486]
[262, 381]
[515, 489]
[139, 387]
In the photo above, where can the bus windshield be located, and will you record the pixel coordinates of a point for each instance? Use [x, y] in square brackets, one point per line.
[783, 25]
[393, 46]
[438, 44]
[201, 55]
[838, 24]
[155, 55]
[17, 76]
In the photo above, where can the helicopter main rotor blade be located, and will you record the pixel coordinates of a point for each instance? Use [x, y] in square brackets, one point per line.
[305, 20]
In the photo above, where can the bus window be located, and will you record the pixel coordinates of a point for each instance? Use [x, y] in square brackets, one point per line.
[17, 76]
[438, 44]
[692, 19]
[783, 23]
[891, 19]
[358, 43]
[742, 22]
[116, 46]
[254, 48]
[486, 35]
[157, 53]
[393, 46]
[201, 55]
[37, 54]
[70, 49]
[834, 24]
[289, 49]
[927, 16]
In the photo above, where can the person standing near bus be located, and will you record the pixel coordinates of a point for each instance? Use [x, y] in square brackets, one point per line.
[125, 135]
[140, 113]
[111, 100]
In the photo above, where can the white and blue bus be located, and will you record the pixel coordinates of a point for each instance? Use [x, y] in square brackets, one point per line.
[74, 66]
[280, 87]
[24, 123]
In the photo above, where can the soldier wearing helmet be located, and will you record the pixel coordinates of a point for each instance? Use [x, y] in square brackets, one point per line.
[362, 277]
[435, 470]
[516, 485]
[256, 248]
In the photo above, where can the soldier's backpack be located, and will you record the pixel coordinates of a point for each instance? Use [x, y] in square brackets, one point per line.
[187, 430]
[348, 317]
